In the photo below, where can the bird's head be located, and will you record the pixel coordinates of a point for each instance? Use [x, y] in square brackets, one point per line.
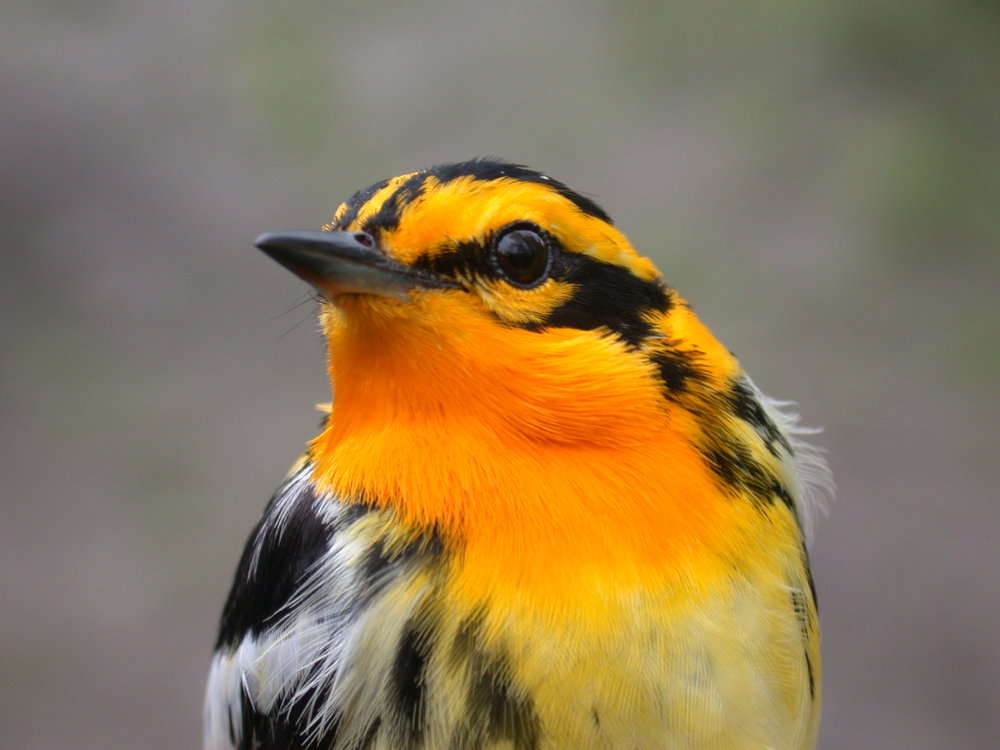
[486, 323]
[496, 290]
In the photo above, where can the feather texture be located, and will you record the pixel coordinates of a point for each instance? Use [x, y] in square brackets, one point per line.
[546, 511]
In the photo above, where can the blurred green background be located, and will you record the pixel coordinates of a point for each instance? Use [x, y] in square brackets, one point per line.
[821, 181]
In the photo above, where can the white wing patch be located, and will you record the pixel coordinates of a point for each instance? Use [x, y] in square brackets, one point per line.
[325, 657]
[223, 717]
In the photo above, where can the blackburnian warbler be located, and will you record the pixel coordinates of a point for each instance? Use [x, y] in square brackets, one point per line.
[548, 510]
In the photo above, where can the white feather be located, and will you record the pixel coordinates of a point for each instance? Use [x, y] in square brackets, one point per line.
[811, 482]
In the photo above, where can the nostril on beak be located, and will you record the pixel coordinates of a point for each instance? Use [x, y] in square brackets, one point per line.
[363, 238]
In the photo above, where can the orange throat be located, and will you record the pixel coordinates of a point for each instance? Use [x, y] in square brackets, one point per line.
[554, 451]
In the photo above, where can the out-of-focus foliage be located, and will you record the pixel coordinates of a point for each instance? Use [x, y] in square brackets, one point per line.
[821, 180]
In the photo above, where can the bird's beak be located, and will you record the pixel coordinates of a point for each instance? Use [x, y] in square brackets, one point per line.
[346, 263]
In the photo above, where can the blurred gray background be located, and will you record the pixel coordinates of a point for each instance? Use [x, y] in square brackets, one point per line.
[821, 181]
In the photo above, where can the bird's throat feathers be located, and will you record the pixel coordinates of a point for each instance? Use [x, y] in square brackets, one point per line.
[484, 431]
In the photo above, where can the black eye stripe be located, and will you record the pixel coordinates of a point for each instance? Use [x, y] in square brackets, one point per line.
[458, 260]
[605, 295]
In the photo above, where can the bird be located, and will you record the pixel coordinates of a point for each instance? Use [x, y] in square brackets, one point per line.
[546, 509]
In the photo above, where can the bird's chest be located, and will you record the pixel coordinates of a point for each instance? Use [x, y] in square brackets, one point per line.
[636, 669]
[417, 647]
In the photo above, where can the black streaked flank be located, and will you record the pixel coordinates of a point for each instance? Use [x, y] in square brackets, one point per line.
[678, 369]
[495, 710]
[734, 464]
[744, 404]
[812, 676]
[782, 493]
[801, 605]
[801, 609]
[809, 578]
[408, 682]
[376, 562]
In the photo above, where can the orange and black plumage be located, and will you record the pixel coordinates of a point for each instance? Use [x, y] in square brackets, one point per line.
[547, 509]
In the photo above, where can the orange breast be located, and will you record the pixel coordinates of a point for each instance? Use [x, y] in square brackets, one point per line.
[543, 456]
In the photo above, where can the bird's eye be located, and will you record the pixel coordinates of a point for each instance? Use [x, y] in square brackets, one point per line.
[521, 254]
